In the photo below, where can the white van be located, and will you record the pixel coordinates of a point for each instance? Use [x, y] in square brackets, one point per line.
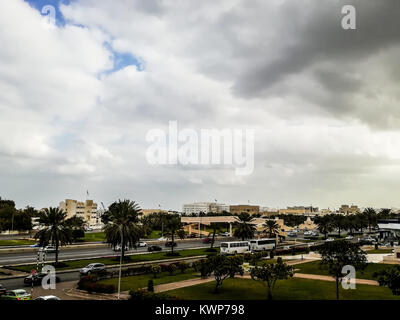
[262, 244]
[234, 247]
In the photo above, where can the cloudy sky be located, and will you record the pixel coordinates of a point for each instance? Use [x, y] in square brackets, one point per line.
[77, 100]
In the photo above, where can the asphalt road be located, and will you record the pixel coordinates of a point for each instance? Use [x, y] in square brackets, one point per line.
[86, 253]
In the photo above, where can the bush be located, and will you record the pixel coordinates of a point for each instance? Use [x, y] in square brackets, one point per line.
[172, 254]
[172, 268]
[201, 266]
[155, 270]
[182, 266]
[150, 286]
[90, 285]
[164, 267]
[272, 254]
[140, 295]
[211, 250]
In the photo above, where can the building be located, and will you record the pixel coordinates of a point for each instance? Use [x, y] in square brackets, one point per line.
[238, 209]
[204, 207]
[346, 209]
[146, 212]
[299, 210]
[86, 210]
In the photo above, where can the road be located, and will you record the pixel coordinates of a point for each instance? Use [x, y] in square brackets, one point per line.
[86, 253]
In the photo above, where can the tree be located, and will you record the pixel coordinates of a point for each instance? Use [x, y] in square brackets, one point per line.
[272, 227]
[244, 228]
[222, 267]
[337, 254]
[76, 224]
[269, 273]
[55, 229]
[390, 278]
[213, 235]
[122, 225]
[173, 226]
[339, 222]
[370, 217]
[324, 225]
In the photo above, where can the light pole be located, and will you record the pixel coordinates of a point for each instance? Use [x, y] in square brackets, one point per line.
[120, 263]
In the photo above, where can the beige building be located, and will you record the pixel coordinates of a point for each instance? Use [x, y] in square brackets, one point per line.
[146, 212]
[346, 209]
[298, 210]
[86, 210]
[238, 209]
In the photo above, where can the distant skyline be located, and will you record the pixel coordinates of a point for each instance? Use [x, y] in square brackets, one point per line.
[78, 98]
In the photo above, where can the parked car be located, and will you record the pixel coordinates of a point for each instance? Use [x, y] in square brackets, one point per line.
[171, 244]
[225, 234]
[93, 268]
[18, 294]
[308, 233]
[349, 238]
[88, 229]
[154, 248]
[292, 234]
[329, 240]
[48, 249]
[141, 244]
[37, 279]
[47, 298]
[192, 235]
[207, 240]
[3, 290]
[162, 239]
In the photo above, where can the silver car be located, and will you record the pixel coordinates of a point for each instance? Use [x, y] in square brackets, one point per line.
[92, 268]
[48, 298]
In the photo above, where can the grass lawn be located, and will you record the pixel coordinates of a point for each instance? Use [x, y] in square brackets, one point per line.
[293, 289]
[155, 234]
[95, 236]
[137, 282]
[112, 260]
[314, 267]
[16, 242]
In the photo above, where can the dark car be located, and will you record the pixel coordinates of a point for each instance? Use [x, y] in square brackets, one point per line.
[2, 290]
[207, 240]
[37, 279]
[171, 244]
[192, 235]
[154, 248]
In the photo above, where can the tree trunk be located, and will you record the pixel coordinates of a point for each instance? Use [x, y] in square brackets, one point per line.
[269, 294]
[213, 237]
[337, 288]
[172, 246]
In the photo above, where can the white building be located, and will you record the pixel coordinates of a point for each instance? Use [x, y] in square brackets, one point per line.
[205, 207]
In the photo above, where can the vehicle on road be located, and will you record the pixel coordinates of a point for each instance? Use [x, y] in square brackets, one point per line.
[37, 279]
[225, 234]
[118, 248]
[93, 268]
[3, 290]
[207, 240]
[162, 239]
[48, 249]
[47, 298]
[88, 229]
[36, 245]
[18, 294]
[141, 244]
[171, 244]
[329, 240]
[292, 234]
[192, 235]
[349, 238]
[262, 244]
[234, 247]
[154, 248]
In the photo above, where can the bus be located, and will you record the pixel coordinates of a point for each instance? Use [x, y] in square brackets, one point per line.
[234, 247]
[262, 244]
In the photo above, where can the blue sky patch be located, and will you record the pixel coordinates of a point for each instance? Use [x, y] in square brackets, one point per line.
[40, 4]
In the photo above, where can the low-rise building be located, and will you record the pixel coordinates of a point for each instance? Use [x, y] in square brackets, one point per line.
[238, 209]
[204, 207]
[346, 209]
[301, 210]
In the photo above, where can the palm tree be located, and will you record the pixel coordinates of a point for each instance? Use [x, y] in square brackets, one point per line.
[244, 228]
[324, 225]
[122, 225]
[173, 225]
[370, 217]
[56, 230]
[339, 222]
[272, 227]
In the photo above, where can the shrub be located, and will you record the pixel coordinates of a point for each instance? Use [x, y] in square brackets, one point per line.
[211, 250]
[150, 286]
[140, 295]
[182, 266]
[155, 270]
[201, 266]
[272, 254]
[172, 254]
[164, 267]
[90, 285]
[171, 268]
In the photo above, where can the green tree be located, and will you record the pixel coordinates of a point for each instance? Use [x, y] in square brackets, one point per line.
[244, 228]
[55, 229]
[272, 227]
[269, 273]
[122, 225]
[324, 225]
[390, 278]
[222, 267]
[339, 222]
[370, 217]
[174, 226]
[337, 254]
